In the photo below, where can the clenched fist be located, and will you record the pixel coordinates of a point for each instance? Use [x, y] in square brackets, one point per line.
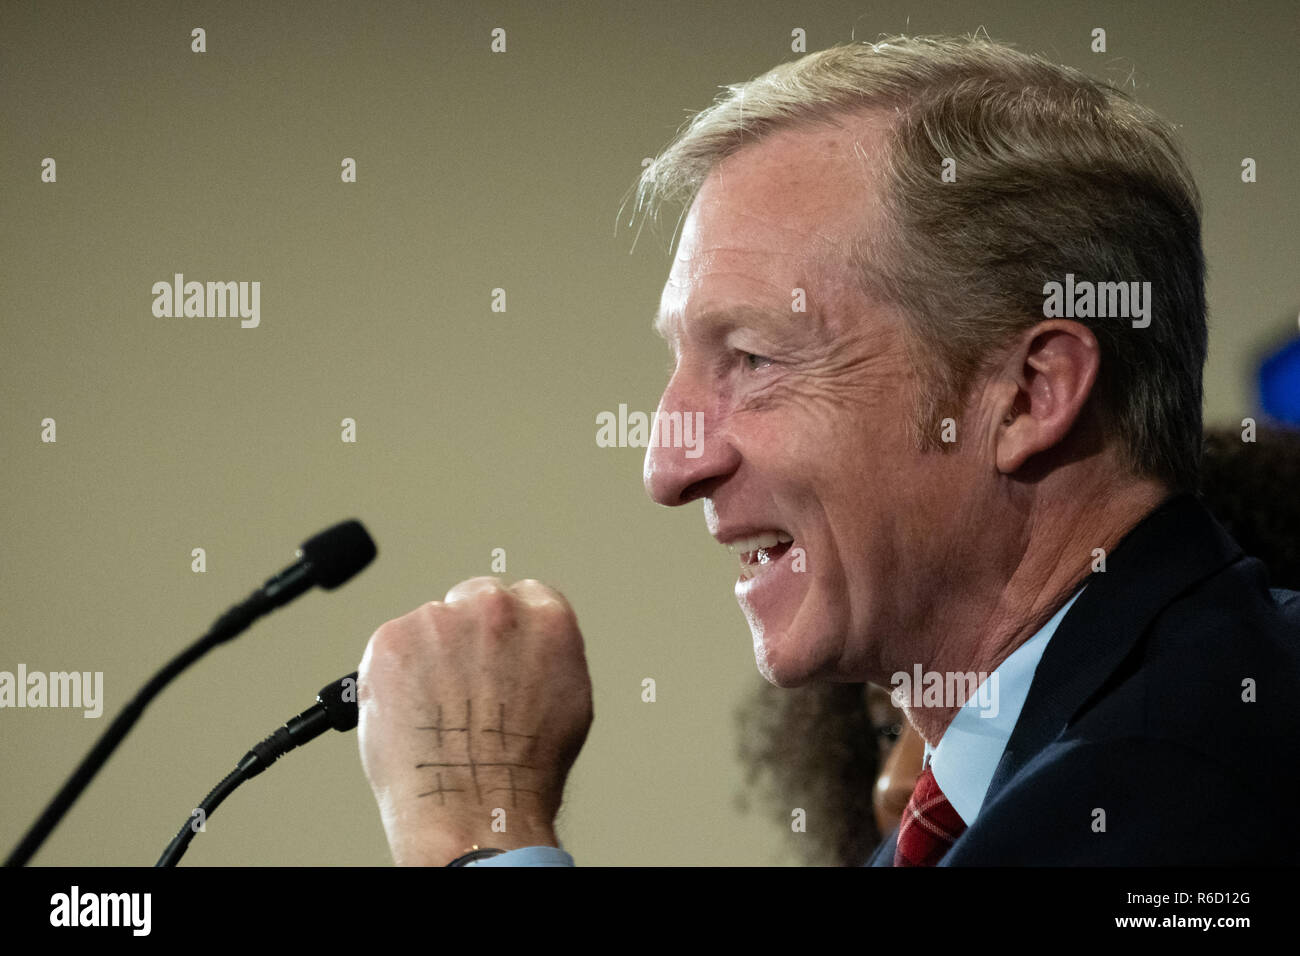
[472, 711]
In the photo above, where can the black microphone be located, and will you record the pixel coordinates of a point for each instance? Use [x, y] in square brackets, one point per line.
[328, 559]
[335, 707]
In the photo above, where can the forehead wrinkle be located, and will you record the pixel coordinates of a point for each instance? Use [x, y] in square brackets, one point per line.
[779, 223]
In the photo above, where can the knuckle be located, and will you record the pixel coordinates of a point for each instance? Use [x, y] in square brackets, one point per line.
[559, 610]
[389, 636]
[472, 587]
[540, 596]
[497, 610]
[434, 610]
[555, 614]
[435, 618]
[390, 645]
[484, 604]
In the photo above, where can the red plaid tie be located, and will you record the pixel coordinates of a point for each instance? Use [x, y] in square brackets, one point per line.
[930, 825]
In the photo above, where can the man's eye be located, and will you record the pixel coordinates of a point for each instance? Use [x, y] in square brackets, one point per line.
[753, 361]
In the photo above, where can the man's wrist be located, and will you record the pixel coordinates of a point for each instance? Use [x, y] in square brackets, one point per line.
[442, 848]
[476, 854]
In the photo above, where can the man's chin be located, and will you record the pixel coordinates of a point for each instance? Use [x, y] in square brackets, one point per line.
[779, 667]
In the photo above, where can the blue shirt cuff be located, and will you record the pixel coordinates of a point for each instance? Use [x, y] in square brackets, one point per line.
[528, 856]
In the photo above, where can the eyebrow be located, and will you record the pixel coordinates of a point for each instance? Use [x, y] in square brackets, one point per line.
[737, 315]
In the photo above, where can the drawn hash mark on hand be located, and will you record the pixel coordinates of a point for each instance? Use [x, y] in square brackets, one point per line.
[514, 790]
[501, 729]
[470, 762]
[439, 729]
[441, 791]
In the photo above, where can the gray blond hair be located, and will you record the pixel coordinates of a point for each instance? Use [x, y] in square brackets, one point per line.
[1057, 173]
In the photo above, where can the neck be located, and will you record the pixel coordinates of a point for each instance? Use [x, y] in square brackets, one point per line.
[1050, 557]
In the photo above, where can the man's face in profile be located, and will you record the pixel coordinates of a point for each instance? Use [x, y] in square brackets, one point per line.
[807, 457]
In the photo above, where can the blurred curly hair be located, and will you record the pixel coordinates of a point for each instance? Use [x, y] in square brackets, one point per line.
[1253, 489]
[814, 747]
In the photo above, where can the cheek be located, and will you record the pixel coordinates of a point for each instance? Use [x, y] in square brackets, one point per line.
[781, 445]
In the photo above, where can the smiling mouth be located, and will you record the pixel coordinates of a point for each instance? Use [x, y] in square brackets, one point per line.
[760, 551]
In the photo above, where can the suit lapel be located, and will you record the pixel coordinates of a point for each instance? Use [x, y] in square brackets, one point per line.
[1175, 546]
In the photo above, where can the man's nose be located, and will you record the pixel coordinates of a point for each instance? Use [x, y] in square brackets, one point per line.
[687, 455]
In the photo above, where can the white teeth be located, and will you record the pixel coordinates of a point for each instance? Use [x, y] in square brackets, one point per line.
[768, 539]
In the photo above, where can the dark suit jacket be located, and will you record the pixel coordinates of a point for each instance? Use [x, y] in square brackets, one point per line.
[1137, 710]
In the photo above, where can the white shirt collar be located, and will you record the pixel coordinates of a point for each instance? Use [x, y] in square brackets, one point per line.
[968, 754]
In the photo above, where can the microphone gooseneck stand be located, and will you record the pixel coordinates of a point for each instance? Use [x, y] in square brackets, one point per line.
[336, 707]
[328, 559]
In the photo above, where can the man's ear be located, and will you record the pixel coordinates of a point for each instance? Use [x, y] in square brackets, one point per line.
[1054, 366]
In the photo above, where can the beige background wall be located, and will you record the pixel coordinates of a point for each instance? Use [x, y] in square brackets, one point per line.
[476, 429]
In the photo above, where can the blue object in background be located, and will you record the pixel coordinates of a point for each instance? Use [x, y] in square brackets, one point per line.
[1279, 383]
